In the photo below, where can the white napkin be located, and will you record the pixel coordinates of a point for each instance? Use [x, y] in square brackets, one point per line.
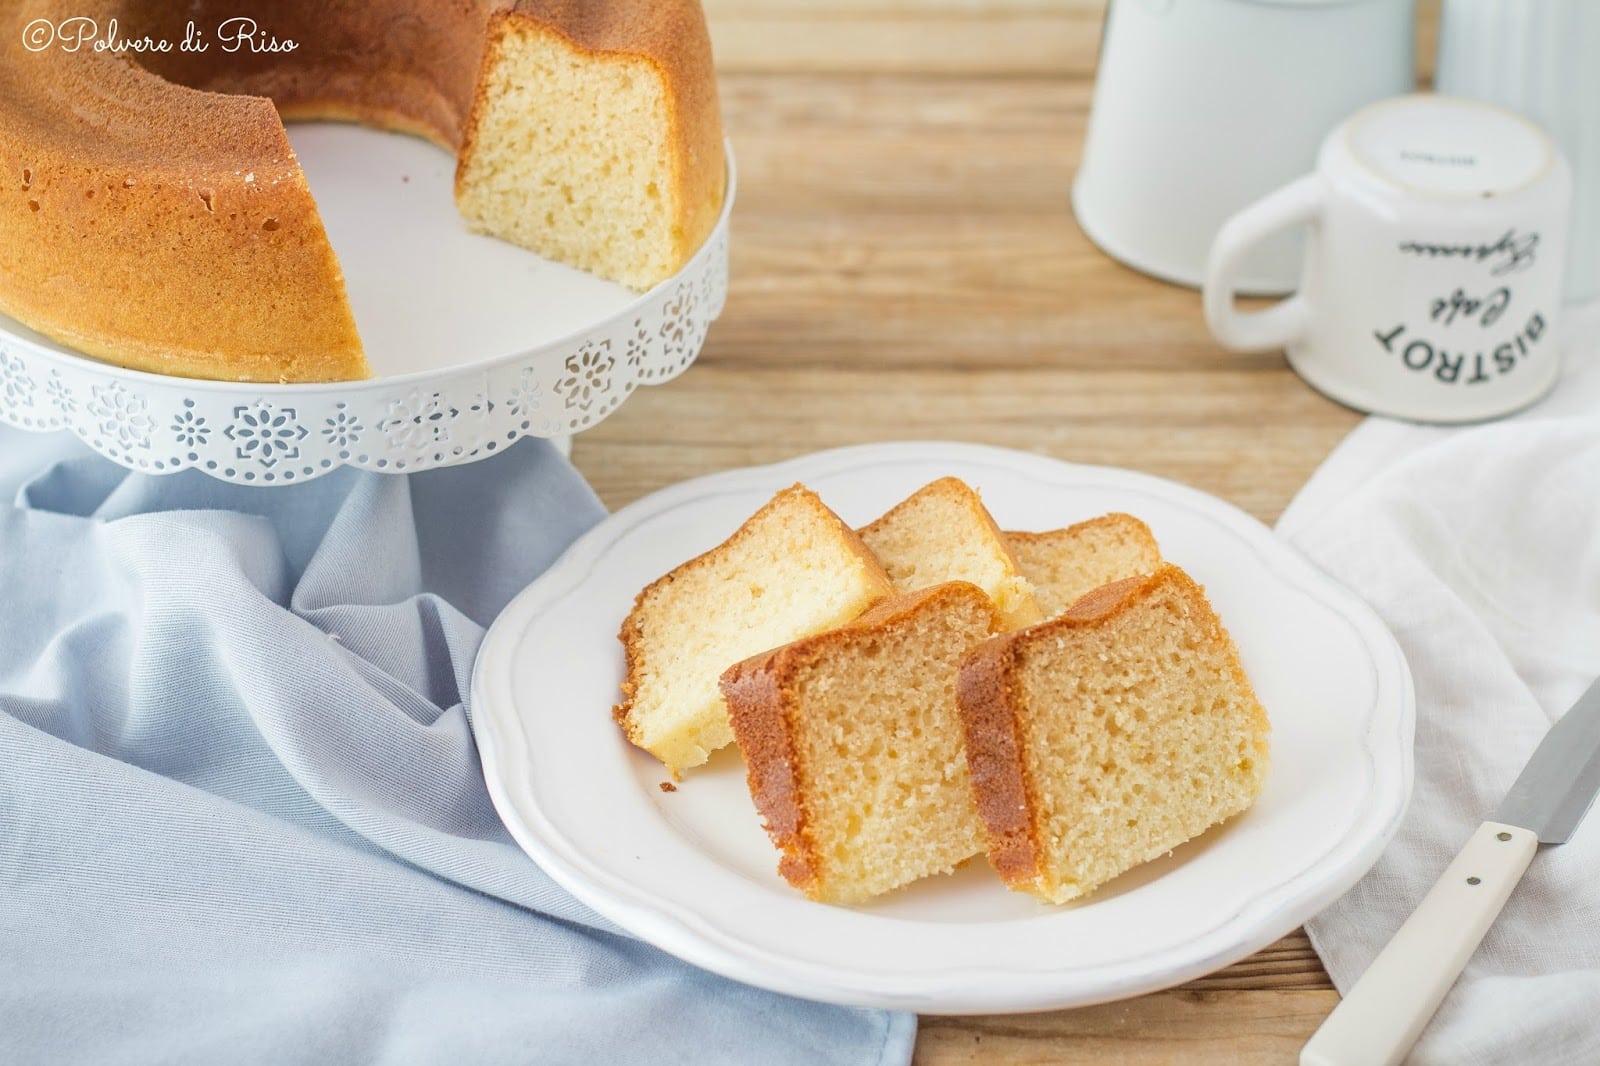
[1480, 547]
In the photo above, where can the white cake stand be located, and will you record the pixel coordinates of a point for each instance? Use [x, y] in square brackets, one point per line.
[474, 343]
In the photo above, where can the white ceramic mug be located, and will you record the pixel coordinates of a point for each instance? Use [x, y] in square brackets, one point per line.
[1432, 277]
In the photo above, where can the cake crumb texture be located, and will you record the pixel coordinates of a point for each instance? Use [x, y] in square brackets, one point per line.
[578, 154]
[791, 570]
[1106, 737]
[853, 746]
[1064, 564]
[942, 532]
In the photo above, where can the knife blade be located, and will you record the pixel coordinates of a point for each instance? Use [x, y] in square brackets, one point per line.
[1391, 1003]
[1558, 784]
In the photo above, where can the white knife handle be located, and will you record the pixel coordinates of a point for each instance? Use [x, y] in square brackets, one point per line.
[1391, 1003]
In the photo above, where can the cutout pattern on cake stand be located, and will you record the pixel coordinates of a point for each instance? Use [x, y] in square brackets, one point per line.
[425, 417]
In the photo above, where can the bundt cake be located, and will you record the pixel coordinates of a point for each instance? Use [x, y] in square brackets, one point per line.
[852, 745]
[1108, 736]
[1063, 564]
[793, 568]
[942, 532]
[153, 214]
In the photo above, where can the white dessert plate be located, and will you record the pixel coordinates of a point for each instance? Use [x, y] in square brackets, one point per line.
[474, 342]
[692, 871]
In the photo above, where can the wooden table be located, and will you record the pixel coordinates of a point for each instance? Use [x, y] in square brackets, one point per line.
[905, 265]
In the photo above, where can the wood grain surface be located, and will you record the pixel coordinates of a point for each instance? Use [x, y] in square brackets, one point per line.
[905, 265]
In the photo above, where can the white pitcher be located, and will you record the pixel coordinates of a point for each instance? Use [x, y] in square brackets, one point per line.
[1204, 106]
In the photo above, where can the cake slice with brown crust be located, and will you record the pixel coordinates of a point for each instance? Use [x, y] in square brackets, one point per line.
[1108, 736]
[793, 568]
[853, 748]
[1063, 564]
[942, 532]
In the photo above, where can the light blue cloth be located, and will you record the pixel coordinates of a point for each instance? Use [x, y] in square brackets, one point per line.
[241, 814]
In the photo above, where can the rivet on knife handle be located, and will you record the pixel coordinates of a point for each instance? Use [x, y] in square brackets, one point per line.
[1387, 1009]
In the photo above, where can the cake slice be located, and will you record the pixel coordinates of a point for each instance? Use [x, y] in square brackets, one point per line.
[942, 532]
[595, 137]
[1063, 564]
[794, 568]
[1108, 736]
[852, 745]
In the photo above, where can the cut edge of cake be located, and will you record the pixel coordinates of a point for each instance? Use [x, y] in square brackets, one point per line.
[704, 727]
[1064, 564]
[1001, 739]
[766, 708]
[630, 199]
[900, 543]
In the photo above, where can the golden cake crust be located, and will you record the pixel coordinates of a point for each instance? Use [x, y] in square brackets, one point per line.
[159, 226]
[757, 691]
[1002, 785]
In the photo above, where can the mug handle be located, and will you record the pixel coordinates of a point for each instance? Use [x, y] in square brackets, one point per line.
[1281, 324]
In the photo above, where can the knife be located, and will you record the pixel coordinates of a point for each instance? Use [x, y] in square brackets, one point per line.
[1391, 1003]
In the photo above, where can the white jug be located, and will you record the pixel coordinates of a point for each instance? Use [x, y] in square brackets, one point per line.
[1203, 106]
